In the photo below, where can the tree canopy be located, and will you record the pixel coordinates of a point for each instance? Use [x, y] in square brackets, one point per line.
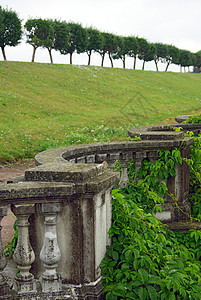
[10, 29]
[69, 38]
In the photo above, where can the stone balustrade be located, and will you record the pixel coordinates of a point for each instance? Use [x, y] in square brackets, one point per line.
[64, 214]
[63, 207]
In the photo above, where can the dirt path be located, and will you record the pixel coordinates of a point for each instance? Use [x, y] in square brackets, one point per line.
[6, 173]
[12, 171]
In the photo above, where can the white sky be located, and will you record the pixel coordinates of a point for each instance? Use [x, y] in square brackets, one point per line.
[175, 22]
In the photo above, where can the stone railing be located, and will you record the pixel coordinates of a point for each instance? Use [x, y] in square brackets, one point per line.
[66, 199]
[68, 207]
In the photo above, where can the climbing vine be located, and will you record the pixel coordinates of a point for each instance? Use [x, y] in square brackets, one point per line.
[146, 260]
[196, 118]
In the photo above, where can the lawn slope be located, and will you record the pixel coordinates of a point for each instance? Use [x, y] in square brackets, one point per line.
[44, 105]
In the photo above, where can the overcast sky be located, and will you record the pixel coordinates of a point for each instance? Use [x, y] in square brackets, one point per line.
[175, 22]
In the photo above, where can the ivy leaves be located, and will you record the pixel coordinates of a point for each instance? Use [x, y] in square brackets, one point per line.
[147, 261]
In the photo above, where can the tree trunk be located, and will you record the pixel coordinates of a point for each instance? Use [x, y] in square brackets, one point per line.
[181, 69]
[167, 66]
[33, 55]
[110, 60]
[143, 65]
[134, 65]
[3, 52]
[71, 58]
[103, 56]
[156, 65]
[50, 53]
[124, 62]
[89, 58]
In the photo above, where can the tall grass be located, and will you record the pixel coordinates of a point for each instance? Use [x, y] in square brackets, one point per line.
[44, 106]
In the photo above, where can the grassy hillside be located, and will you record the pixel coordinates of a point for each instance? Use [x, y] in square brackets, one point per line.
[44, 106]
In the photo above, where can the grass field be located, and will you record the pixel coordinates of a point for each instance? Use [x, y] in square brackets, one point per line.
[44, 106]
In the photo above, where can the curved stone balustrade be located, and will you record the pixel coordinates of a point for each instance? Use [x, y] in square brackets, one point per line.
[66, 199]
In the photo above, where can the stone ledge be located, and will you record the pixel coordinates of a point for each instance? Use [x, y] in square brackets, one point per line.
[73, 152]
[34, 192]
[184, 226]
[163, 132]
[61, 172]
[180, 119]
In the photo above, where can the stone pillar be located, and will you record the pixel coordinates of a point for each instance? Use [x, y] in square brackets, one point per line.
[50, 253]
[4, 287]
[23, 255]
[83, 224]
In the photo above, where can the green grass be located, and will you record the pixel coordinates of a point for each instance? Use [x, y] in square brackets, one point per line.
[44, 106]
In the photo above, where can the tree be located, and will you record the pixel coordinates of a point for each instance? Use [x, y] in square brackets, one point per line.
[150, 54]
[186, 59]
[122, 49]
[160, 53]
[61, 35]
[132, 48]
[109, 46]
[172, 56]
[10, 29]
[95, 41]
[49, 40]
[39, 33]
[197, 62]
[77, 40]
[143, 48]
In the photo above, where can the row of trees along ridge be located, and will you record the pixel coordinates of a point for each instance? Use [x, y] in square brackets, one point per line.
[68, 38]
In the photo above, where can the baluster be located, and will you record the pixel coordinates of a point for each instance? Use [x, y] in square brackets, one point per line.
[50, 252]
[24, 255]
[124, 159]
[138, 157]
[4, 287]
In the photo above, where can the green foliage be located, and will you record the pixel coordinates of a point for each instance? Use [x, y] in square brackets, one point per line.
[10, 247]
[77, 39]
[145, 260]
[61, 35]
[195, 169]
[196, 118]
[95, 41]
[151, 188]
[186, 58]
[197, 62]
[195, 177]
[10, 29]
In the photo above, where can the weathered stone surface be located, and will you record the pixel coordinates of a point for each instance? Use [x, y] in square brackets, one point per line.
[163, 132]
[29, 192]
[61, 172]
[180, 119]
